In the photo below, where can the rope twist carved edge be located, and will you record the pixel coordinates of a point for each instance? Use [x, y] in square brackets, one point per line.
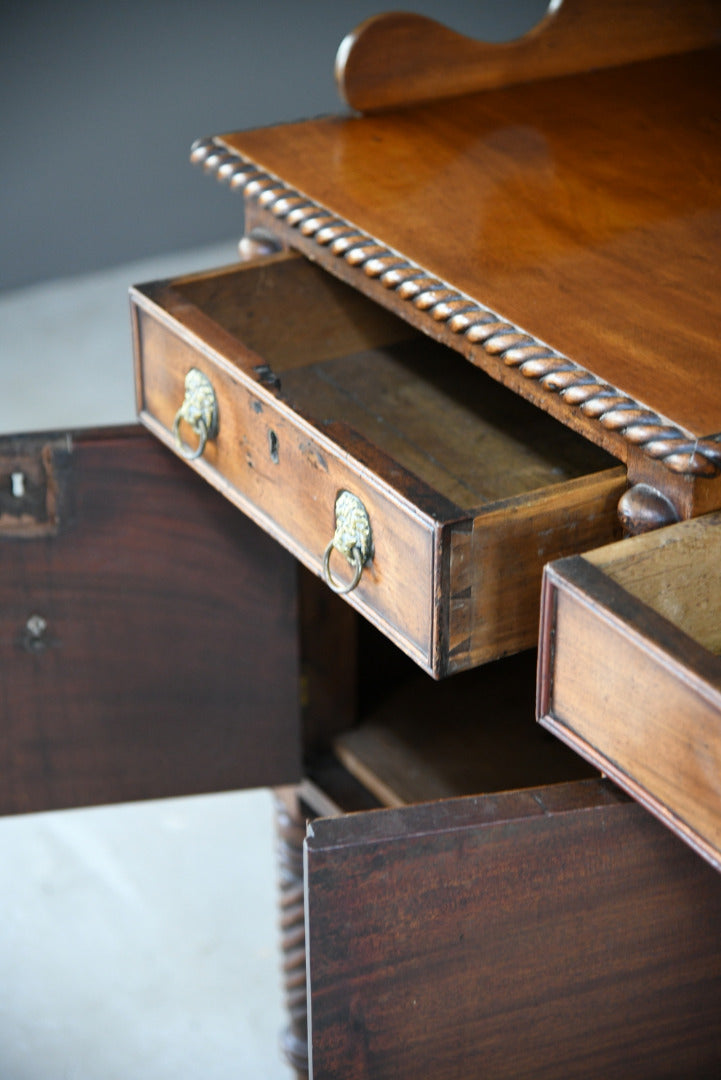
[654, 435]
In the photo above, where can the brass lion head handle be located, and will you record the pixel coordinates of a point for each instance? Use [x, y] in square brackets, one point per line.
[352, 539]
[199, 411]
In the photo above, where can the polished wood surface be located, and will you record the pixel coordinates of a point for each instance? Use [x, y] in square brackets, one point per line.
[291, 493]
[564, 236]
[469, 489]
[399, 58]
[127, 672]
[585, 211]
[675, 572]
[630, 670]
[495, 567]
[554, 932]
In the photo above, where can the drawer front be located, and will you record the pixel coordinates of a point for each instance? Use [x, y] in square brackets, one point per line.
[630, 671]
[554, 932]
[468, 490]
[286, 476]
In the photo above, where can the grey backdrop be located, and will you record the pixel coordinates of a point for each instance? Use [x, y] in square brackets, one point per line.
[99, 103]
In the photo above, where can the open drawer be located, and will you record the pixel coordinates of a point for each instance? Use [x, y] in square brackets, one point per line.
[525, 922]
[630, 670]
[461, 491]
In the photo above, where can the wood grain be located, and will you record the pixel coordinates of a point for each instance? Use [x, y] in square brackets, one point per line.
[554, 932]
[577, 226]
[464, 436]
[315, 399]
[495, 568]
[473, 733]
[400, 58]
[289, 312]
[621, 680]
[676, 573]
[643, 508]
[290, 821]
[328, 636]
[168, 664]
[292, 494]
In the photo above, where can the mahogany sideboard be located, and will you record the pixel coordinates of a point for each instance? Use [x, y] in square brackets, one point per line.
[466, 374]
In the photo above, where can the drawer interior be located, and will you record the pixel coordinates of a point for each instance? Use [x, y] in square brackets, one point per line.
[334, 356]
[675, 572]
[630, 671]
[469, 489]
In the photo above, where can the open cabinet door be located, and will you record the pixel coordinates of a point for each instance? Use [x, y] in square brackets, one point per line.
[148, 639]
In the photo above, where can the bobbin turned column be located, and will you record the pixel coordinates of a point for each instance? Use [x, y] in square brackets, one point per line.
[328, 631]
[290, 825]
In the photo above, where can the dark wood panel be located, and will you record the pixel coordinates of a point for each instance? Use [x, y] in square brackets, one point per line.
[163, 657]
[547, 933]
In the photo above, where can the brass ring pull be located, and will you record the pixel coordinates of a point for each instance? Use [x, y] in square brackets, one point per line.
[200, 411]
[352, 539]
[337, 586]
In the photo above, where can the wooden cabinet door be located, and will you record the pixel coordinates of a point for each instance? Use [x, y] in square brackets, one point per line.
[148, 640]
[630, 670]
[550, 932]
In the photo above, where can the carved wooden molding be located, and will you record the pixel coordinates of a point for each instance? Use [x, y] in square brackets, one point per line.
[643, 509]
[637, 425]
[399, 58]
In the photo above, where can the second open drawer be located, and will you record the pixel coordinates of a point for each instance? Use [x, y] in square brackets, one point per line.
[630, 670]
[468, 490]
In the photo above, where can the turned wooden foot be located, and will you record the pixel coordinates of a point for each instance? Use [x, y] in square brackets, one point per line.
[290, 824]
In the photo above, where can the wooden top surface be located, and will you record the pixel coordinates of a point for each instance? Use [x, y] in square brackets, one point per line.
[586, 210]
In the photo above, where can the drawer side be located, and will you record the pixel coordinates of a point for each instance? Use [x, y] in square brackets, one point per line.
[495, 567]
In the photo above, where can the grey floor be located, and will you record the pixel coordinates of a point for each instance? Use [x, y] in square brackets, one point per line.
[136, 941]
